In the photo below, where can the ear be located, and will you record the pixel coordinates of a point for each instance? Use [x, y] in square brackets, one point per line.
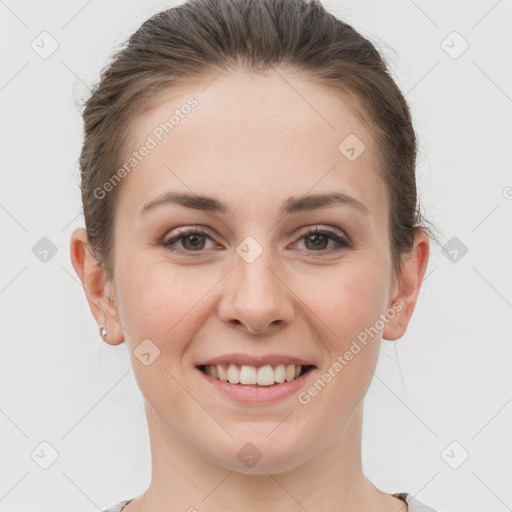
[96, 287]
[407, 286]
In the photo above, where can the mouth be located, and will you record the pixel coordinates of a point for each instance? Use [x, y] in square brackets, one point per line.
[264, 376]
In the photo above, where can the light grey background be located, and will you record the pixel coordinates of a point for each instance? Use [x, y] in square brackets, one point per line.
[448, 379]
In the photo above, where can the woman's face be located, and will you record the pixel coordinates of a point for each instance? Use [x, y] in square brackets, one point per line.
[251, 281]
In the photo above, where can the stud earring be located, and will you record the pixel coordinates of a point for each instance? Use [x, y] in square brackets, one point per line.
[103, 330]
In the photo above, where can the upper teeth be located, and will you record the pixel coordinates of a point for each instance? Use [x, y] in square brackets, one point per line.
[245, 374]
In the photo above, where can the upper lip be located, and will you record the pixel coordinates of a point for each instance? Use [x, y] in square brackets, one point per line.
[246, 359]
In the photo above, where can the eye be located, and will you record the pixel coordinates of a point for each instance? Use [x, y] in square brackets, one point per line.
[192, 240]
[317, 239]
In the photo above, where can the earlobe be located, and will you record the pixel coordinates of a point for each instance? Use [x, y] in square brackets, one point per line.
[414, 265]
[92, 276]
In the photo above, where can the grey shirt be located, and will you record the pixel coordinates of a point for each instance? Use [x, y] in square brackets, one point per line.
[412, 504]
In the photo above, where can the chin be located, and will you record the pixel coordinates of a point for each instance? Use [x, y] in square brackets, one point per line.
[259, 454]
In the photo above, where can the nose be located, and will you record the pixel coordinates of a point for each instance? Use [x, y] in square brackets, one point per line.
[256, 296]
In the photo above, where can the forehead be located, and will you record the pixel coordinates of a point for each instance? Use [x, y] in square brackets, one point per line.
[271, 135]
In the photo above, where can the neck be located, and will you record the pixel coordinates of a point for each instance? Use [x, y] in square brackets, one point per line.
[183, 479]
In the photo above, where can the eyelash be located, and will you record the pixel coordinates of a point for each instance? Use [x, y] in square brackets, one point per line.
[343, 242]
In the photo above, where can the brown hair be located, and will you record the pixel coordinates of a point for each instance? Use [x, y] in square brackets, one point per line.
[198, 39]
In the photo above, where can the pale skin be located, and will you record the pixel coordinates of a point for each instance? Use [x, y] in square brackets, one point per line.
[252, 142]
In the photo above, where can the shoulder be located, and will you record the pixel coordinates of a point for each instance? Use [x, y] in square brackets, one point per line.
[413, 505]
[118, 507]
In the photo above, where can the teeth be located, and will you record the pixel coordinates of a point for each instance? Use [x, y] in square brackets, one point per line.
[279, 373]
[263, 376]
[290, 372]
[233, 374]
[248, 375]
[223, 374]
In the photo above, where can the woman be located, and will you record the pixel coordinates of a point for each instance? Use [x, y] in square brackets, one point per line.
[252, 233]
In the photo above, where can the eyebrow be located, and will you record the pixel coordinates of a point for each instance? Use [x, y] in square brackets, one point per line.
[291, 205]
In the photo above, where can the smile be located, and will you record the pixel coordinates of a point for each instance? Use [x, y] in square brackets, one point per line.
[246, 375]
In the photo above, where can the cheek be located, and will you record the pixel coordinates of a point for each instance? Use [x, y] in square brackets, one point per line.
[353, 307]
[162, 302]
[156, 303]
[345, 301]
[347, 308]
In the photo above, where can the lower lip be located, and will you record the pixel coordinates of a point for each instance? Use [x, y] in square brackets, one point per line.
[257, 394]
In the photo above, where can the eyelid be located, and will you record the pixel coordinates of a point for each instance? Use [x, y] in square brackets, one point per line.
[315, 228]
